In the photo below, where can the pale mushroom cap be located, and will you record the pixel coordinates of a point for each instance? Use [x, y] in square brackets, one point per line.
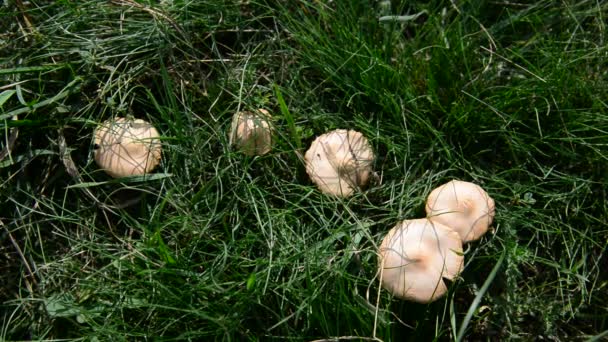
[251, 132]
[125, 147]
[339, 162]
[415, 257]
[462, 206]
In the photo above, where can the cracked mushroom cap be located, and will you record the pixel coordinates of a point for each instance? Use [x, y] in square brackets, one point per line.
[463, 206]
[125, 147]
[416, 256]
[251, 132]
[339, 162]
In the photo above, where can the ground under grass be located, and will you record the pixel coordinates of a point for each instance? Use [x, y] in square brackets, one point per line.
[511, 95]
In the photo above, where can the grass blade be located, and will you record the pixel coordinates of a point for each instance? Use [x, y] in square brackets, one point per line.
[291, 123]
[477, 300]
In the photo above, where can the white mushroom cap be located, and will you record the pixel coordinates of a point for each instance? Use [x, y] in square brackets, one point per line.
[251, 132]
[340, 162]
[462, 206]
[415, 256]
[125, 147]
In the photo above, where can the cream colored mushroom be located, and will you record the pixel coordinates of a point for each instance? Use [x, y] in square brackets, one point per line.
[462, 206]
[339, 162]
[415, 257]
[251, 132]
[126, 147]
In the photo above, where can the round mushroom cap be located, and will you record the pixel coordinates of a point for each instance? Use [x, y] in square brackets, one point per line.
[126, 147]
[462, 206]
[416, 256]
[339, 162]
[251, 132]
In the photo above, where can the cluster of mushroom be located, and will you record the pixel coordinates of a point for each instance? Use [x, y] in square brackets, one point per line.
[131, 147]
[417, 255]
[339, 162]
[414, 257]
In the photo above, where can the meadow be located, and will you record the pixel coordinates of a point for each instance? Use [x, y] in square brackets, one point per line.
[216, 245]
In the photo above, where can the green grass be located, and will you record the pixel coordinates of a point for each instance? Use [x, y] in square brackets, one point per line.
[220, 246]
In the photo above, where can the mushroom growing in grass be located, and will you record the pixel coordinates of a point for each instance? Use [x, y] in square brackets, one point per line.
[127, 147]
[463, 206]
[251, 132]
[416, 256]
[339, 162]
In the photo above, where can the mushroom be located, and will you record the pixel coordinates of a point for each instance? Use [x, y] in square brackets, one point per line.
[251, 132]
[126, 147]
[415, 257]
[463, 206]
[339, 162]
